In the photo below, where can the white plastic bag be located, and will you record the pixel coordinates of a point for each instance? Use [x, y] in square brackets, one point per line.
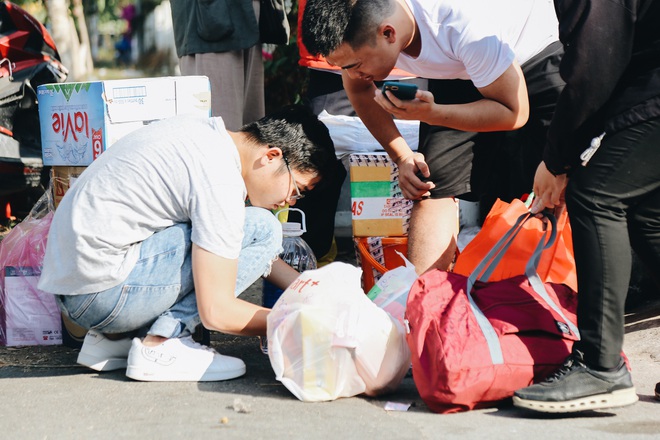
[350, 135]
[390, 292]
[327, 340]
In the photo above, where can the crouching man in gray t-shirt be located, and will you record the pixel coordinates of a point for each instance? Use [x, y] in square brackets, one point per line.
[155, 237]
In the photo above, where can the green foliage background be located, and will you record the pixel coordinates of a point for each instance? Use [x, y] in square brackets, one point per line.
[285, 81]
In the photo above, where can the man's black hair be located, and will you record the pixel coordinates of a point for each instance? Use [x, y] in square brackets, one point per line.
[326, 24]
[304, 140]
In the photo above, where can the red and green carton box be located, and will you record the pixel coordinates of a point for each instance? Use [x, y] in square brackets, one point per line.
[378, 208]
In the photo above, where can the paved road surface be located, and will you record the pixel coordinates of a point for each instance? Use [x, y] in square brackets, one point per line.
[45, 395]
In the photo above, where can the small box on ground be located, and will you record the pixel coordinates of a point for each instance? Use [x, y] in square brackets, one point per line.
[378, 207]
[79, 121]
[28, 316]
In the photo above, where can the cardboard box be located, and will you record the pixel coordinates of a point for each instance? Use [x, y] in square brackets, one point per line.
[79, 121]
[62, 178]
[378, 207]
[28, 316]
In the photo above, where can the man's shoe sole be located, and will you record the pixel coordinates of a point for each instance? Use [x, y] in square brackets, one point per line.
[599, 401]
[97, 364]
[146, 376]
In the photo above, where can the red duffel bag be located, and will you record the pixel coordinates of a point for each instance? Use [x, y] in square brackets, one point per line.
[475, 342]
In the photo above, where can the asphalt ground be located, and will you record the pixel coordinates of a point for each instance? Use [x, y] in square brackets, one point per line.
[44, 394]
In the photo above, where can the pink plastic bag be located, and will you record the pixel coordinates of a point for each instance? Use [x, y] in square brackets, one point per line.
[28, 316]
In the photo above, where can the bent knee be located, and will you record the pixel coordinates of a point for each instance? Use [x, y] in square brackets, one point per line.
[263, 227]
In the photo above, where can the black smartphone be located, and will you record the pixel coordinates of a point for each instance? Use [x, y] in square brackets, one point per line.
[403, 91]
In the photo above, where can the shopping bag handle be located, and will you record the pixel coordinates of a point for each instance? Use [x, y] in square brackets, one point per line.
[486, 266]
[495, 255]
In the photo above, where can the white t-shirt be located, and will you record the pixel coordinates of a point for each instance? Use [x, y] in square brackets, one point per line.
[478, 39]
[184, 169]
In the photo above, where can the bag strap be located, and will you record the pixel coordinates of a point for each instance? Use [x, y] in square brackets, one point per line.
[486, 266]
[493, 258]
[538, 286]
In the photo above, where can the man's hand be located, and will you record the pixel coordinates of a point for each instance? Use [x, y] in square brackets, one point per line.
[416, 109]
[410, 167]
[548, 189]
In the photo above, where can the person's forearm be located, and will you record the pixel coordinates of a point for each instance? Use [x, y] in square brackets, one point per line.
[281, 274]
[484, 115]
[219, 308]
[505, 106]
[246, 319]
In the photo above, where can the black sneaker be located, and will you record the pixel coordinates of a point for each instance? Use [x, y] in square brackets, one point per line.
[657, 390]
[576, 387]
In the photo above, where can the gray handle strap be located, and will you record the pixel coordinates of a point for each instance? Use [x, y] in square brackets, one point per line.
[538, 286]
[487, 329]
[487, 265]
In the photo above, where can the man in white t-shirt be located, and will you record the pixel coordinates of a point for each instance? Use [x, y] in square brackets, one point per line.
[155, 238]
[493, 67]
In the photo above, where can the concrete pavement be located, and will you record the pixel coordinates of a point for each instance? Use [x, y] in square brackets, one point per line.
[44, 394]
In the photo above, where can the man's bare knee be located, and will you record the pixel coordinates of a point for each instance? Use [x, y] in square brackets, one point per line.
[432, 234]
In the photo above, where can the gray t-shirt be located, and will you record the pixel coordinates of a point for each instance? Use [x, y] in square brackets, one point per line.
[184, 169]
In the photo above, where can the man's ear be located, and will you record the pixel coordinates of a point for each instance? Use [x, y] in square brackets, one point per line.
[271, 153]
[389, 32]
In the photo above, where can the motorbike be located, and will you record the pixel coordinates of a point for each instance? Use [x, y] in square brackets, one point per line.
[28, 58]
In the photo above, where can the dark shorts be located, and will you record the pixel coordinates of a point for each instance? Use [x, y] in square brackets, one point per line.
[474, 166]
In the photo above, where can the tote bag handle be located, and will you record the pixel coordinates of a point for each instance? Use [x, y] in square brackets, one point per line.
[485, 268]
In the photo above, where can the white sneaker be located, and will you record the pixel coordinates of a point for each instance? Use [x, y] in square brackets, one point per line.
[101, 354]
[180, 360]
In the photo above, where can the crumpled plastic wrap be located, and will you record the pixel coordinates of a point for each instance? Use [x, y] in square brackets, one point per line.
[327, 340]
[390, 292]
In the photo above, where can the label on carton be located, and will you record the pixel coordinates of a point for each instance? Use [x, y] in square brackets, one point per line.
[72, 119]
[79, 121]
[378, 207]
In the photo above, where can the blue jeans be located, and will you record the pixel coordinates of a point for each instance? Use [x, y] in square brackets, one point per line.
[159, 293]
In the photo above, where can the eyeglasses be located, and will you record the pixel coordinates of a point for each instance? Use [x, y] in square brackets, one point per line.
[297, 195]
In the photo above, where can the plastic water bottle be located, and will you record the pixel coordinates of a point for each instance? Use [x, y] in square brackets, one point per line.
[296, 253]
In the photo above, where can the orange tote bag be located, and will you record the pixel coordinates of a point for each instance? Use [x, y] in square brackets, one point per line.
[557, 263]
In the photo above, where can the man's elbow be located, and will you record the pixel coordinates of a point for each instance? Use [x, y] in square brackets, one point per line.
[519, 118]
[214, 319]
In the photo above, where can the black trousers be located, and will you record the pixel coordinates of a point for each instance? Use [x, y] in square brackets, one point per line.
[613, 204]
